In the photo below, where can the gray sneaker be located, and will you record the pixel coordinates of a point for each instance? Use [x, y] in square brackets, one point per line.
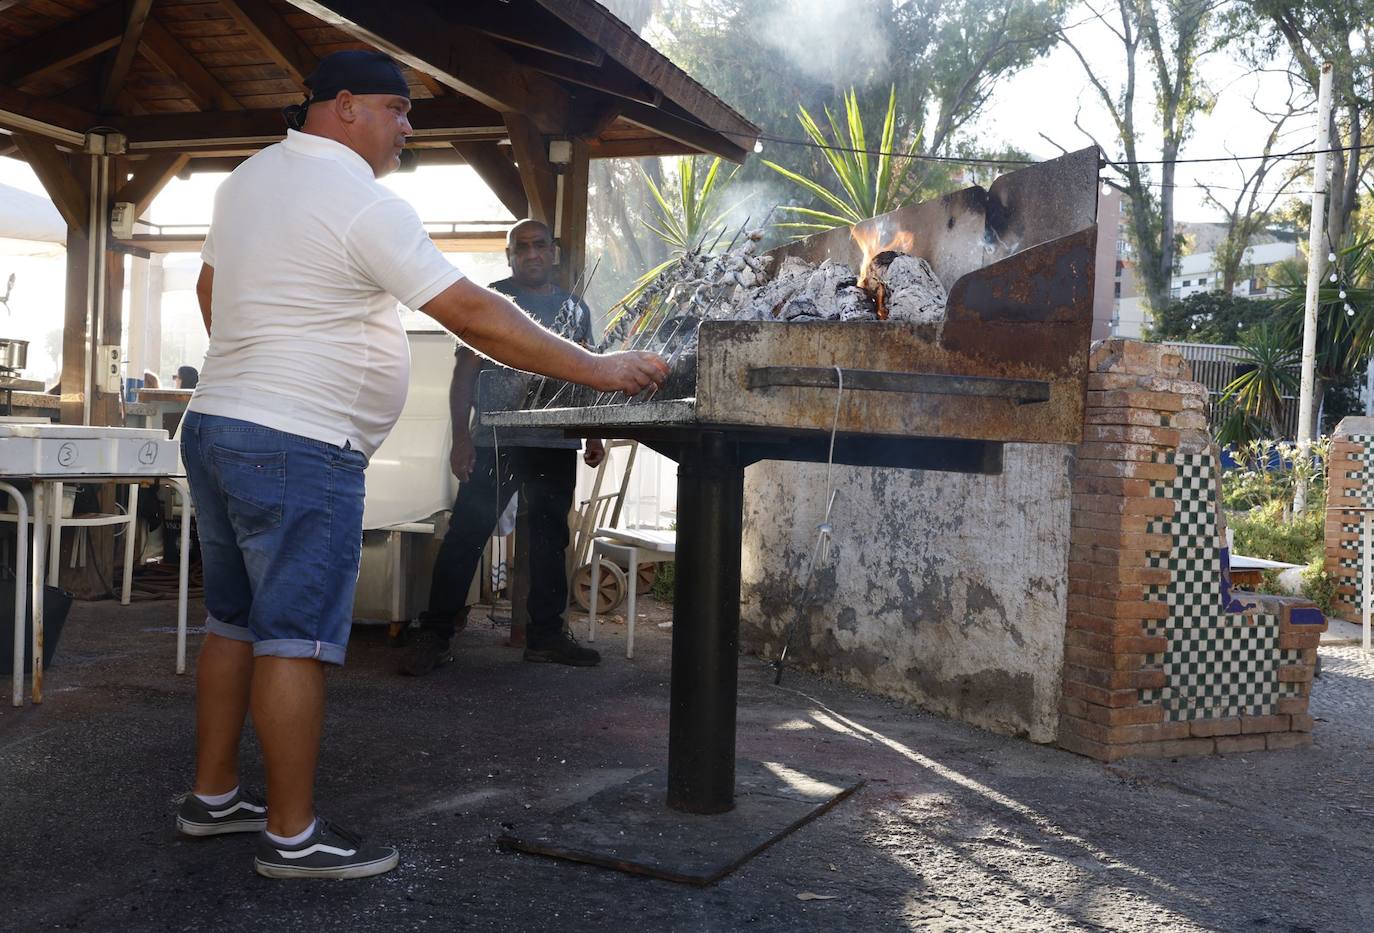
[245, 813]
[329, 852]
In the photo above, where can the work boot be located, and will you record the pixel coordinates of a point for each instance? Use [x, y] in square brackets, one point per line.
[560, 648]
[428, 649]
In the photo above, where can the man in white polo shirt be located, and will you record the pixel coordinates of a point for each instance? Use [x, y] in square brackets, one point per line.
[306, 373]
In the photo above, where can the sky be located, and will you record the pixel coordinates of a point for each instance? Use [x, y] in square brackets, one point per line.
[1040, 102]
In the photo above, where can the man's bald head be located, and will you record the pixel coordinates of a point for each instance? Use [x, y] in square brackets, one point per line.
[529, 250]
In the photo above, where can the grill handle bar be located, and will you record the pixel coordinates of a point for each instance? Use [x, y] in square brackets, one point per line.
[1021, 391]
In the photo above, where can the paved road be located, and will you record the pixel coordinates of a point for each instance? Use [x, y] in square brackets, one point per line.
[955, 829]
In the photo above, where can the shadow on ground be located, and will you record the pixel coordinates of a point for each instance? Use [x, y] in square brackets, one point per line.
[955, 829]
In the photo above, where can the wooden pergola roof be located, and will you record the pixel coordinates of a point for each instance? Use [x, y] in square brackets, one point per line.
[204, 80]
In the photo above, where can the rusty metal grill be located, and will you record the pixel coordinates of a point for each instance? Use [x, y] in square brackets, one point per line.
[1009, 364]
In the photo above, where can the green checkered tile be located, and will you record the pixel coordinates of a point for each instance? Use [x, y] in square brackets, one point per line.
[1218, 664]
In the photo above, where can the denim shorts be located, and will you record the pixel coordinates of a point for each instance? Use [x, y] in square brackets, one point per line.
[280, 520]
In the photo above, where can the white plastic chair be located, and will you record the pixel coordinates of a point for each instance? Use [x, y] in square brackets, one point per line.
[635, 545]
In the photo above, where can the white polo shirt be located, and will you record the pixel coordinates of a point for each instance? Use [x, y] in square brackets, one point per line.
[311, 255]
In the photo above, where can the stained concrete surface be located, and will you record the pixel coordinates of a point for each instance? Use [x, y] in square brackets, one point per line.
[955, 829]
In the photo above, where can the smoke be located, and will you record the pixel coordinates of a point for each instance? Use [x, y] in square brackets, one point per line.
[838, 42]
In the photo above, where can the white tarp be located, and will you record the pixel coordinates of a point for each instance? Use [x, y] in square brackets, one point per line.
[29, 224]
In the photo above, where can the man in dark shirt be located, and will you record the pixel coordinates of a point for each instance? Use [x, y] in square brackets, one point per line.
[539, 463]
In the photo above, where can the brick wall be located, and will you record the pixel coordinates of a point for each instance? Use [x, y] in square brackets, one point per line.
[1349, 483]
[1161, 658]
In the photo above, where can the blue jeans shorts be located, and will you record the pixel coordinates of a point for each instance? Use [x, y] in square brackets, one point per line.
[280, 520]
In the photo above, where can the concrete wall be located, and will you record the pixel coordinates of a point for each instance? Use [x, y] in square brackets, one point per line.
[944, 589]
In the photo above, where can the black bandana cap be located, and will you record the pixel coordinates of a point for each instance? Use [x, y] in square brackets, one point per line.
[359, 71]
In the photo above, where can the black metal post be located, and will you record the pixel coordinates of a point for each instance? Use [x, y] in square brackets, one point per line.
[701, 726]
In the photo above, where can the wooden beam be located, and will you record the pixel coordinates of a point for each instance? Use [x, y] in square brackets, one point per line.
[536, 173]
[684, 131]
[499, 173]
[456, 113]
[427, 39]
[270, 30]
[572, 237]
[72, 42]
[533, 29]
[124, 56]
[638, 148]
[162, 49]
[15, 103]
[151, 176]
[68, 193]
[609, 79]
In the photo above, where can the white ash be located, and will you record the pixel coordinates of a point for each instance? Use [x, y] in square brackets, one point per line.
[913, 292]
[855, 304]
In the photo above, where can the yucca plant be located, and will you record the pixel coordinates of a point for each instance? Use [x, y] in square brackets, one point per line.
[1259, 392]
[683, 222]
[868, 184]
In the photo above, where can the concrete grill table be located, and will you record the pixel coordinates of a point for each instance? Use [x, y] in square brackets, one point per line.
[1009, 364]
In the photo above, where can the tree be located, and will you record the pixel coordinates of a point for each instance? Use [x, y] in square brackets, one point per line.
[1310, 33]
[1252, 207]
[944, 60]
[1175, 35]
[1210, 317]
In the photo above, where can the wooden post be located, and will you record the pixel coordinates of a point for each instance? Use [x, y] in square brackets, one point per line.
[572, 237]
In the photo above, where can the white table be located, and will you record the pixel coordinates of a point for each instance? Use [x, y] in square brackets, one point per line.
[49, 456]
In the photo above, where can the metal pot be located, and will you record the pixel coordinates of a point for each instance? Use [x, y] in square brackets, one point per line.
[14, 354]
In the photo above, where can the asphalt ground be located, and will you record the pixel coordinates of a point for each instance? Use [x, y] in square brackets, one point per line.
[954, 828]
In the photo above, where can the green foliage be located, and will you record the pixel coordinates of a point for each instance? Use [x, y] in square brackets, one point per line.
[1268, 529]
[692, 213]
[1318, 585]
[662, 590]
[867, 185]
[1271, 374]
[1268, 472]
[1269, 533]
[1210, 317]
[1345, 312]
[688, 216]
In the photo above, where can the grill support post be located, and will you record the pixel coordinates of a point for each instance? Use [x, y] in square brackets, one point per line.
[701, 725]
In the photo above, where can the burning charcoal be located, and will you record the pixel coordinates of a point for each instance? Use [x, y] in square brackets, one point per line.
[913, 293]
[855, 304]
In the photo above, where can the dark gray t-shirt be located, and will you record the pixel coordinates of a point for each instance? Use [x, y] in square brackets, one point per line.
[544, 308]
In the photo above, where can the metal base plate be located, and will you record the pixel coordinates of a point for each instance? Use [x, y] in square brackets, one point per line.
[629, 826]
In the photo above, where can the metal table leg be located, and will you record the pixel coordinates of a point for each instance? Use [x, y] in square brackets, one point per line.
[40, 490]
[184, 490]
[132, 513]
[701, 728]
[21, 557]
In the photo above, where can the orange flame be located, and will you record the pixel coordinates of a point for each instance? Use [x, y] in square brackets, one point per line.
[872, 242]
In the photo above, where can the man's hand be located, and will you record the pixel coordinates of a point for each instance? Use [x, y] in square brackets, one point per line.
[463, 455]
[629, 371]
[595, 452]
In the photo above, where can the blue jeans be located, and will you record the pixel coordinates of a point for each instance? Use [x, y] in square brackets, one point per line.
[280, 521]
